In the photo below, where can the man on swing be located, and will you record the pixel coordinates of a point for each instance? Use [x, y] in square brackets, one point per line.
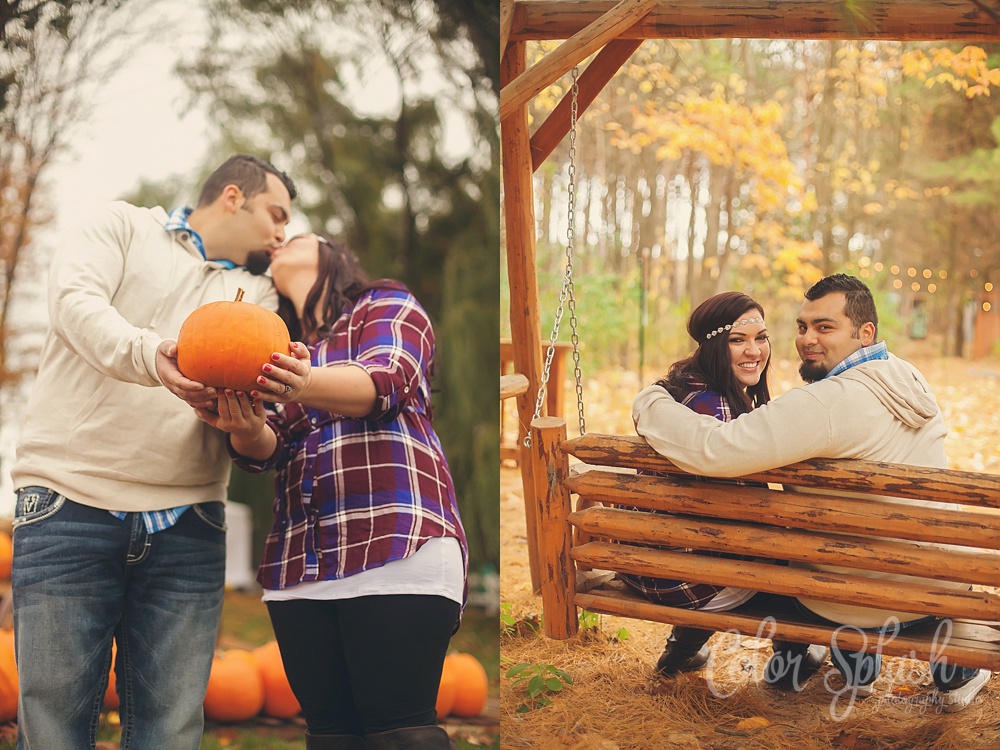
[859, 402]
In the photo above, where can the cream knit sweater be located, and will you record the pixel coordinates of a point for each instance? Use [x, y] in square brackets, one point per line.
[881, 410]
[99, 428]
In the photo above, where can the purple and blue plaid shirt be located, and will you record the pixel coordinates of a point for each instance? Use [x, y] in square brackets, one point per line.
[354, 494]
[675, 593]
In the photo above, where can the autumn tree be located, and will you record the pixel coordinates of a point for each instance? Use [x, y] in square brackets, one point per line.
[54, 60]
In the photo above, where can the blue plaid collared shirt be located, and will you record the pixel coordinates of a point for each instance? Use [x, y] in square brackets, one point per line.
[864, 354]
[156, 520]
[177, 221]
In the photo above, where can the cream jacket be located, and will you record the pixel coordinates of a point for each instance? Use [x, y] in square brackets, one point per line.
[881, 410]
[99, 427]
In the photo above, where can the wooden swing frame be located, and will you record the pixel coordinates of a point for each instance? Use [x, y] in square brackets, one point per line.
[614, 30]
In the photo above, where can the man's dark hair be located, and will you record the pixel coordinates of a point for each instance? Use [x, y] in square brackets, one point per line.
[859, 305]
[248, 173]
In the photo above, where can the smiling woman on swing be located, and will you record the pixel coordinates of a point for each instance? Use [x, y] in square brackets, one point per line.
[725, 376]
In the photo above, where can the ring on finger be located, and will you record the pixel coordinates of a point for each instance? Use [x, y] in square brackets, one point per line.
[288, 388]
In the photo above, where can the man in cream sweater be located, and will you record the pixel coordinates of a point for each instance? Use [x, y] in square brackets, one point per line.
[859, 402]
[119, 528]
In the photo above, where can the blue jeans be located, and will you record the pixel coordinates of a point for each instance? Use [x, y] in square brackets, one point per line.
[82, 576]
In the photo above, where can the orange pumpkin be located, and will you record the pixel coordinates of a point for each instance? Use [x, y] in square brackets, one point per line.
[8, 677]
[6, 554]
[224, 344]
[235, 687]
[447, 689]
[110, 693]
[279, 700]
[472, 684]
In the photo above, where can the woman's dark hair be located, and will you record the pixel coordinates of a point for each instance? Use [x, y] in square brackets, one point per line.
[711, 362]
[339, 283]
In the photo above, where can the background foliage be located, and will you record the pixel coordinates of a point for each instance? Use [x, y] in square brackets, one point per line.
[764, 165]
[272, 75]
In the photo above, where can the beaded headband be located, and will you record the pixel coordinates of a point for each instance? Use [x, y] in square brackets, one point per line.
[745, 321]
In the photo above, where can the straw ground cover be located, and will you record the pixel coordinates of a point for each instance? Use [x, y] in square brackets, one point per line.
[613, 701]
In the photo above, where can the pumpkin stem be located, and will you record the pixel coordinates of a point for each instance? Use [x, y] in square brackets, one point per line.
[239, 294]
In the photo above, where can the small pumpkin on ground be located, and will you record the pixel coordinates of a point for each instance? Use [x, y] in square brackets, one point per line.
[111, 693]
[279, 700]
[8, 677]
[447, 689]
[235, 687]
[6, 555]
[472, 685]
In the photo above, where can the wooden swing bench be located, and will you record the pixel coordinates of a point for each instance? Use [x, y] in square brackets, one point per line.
[577, 548]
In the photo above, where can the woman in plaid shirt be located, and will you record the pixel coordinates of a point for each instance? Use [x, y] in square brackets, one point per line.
[364, 567]
[725, 377]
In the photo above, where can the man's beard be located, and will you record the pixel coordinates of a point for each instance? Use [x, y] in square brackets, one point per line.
[812, 371]
[258, 261]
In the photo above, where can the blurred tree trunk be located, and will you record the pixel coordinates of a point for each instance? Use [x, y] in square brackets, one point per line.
[823, 217]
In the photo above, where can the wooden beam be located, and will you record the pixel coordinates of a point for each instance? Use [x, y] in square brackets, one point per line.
[573, 51]
[513, 385]
[834, 474]
[918, 597]
[895, 557]
[555, 536]
[821, 512]
[506, 19]
[970, 644]
[591, 82]
[525, 328]
[905, 20]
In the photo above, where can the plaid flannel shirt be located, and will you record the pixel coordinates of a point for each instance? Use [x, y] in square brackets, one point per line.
[864, 354]
[354, 494]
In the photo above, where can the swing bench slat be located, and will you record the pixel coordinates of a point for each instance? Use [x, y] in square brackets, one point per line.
[795, 518]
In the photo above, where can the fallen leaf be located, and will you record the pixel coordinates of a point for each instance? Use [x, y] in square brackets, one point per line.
[754, 722]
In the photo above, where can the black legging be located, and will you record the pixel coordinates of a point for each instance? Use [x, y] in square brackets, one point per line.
[364, 665]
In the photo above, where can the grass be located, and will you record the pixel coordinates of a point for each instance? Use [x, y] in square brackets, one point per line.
[245, 624]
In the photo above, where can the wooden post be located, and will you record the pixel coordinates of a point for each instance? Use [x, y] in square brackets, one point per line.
[519, 216]
[506, 19]
[558, 574]
[971, 21]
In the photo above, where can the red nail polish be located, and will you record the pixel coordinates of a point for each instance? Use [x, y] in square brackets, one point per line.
[275, 357]
[267, 368]
[262, 381]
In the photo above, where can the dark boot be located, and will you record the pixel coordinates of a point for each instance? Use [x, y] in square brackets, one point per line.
[410, 738]
[334, 742]
[685, 651]
[792, 664]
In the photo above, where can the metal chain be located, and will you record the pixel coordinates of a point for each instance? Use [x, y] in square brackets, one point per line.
[566, 293]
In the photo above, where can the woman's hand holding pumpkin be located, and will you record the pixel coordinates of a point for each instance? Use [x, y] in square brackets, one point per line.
[285, 377]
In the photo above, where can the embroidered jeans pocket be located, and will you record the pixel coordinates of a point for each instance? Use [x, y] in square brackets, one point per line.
[35, 504]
